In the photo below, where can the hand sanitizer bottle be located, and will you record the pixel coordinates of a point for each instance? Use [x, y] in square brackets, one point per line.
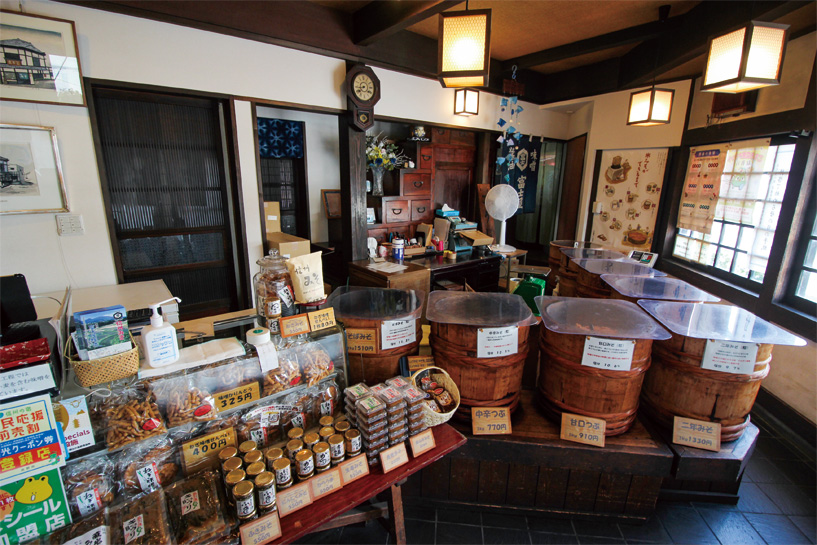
[159, 338]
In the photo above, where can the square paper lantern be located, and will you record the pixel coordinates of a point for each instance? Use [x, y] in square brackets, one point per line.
[650, 107]
[464, 48]
[466, 102]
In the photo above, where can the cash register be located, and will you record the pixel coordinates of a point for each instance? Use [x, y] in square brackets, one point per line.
[457, 224]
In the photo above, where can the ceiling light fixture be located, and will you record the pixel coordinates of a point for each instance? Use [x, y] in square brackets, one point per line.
[650, 107]
[464, 48]
[745, 59]
[466, 102]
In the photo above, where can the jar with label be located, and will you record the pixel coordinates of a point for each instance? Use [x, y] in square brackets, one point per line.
[295, 433]
[323, 459]
[293, 447]
[337, 449]
[305, 462]
[326, 421]
[246, 447]
[226, 453]
[273, 291]
[311, 439]
[283, 473]
[326, 432]
[253, 456]
[254, 470]
[272, 455]
[244, 497]
[354, 443]
[341, 426]
[265, 492]
[233, 478]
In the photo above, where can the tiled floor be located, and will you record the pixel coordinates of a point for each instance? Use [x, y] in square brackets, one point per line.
[776, 507]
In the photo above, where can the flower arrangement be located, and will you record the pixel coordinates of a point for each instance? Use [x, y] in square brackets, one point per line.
[381, 153]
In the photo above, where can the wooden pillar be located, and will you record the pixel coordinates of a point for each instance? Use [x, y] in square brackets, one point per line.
[352, 189]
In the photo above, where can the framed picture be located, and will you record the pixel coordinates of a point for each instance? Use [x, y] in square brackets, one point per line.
[331, 202]
[39, 60]
[30, 172]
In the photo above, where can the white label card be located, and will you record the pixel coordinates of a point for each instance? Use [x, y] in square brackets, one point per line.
[89, 502]
[608, 354]
[79, 431]
[29, 379]
[190, 502]
[267, 357]
[134, 528]
[494, 342]
[730, 357]
[395, 333]
[148, 478]
[97, 536]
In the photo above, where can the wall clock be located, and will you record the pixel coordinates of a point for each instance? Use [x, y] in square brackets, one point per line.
[362, 93]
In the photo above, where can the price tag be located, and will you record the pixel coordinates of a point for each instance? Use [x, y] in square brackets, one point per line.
[422, 443]
[696, 433]
[415, 363]
[322, 319]
[237, 396]
[394, 457]
[354, 469]
[608, 354]
[97, 535]
[396, 333]
[267, 357]
[325, 483]
[261, 531]
[490, 421]
[583, 429]
[292, 499]
[294, 325]
[361, 341]
[202, 452]
[730, 357]
[494, 342]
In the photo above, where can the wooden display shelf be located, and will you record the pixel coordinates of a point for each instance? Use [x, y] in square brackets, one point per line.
[534, 470]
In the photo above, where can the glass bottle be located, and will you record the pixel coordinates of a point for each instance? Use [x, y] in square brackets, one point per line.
[274, 296]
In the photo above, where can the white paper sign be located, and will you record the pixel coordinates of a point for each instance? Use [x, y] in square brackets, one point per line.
[97, 536]
[148, 478]
[394, 333]
[267, 357]
[29, 379]
[494, 342]
[608, 354]
[730, 357]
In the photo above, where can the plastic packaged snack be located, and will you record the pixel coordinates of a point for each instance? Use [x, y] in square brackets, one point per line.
[355, 392]
[90, 485]
[398, 382]
[326, 402]
[262, 424]
[286, 376]
[182, 402]
[413, 396]
[431, 404]
[93, 529]
[374, 436]
[229, 374]
[396, 415]
[415, 416]
[148, 465]
[315, 362]
[370, 409]
[195, 510]
[142, 520]
[374, 426]
[298, 413]
[131, 415]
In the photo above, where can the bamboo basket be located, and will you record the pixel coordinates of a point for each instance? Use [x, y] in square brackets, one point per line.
[92, 372]
[439, 376]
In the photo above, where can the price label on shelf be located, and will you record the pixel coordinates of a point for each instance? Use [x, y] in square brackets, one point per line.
[490, 421]
[326, 483]
[322, 319]
[730, 357]
[583, 429]
[295, 498]
[261, 531]
[394, 457]
[294, 325]
[422, 443]
[361, 341]
[608, 354]
[354, 469]
[494, 342]
[696, 433]
[237, 396]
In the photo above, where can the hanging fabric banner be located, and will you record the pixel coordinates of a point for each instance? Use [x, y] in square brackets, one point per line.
[520, 169]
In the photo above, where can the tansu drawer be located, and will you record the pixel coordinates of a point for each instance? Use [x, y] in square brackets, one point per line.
[396, 211]
[421, 210]
[416, 183]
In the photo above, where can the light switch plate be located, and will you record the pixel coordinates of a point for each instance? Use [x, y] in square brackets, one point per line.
[70, 225]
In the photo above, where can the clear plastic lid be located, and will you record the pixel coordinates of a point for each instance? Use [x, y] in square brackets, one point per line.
[593, 253]
[576, 244]
[376, 303]
[721, 322]
[608, 266]
[662, 287]
[599, 318]
[479, 309]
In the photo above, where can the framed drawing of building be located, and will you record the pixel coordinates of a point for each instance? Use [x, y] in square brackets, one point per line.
[30, 172]
[39, 60]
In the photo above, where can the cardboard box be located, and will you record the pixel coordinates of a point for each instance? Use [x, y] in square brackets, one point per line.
[476, 238]
[272, 217]
[288, 245]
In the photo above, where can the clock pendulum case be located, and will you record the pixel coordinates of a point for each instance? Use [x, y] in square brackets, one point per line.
[362, 93]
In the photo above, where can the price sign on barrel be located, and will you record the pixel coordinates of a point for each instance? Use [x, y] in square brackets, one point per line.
[490, 420]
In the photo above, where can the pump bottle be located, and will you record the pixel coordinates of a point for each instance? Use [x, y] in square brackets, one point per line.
[159, 338]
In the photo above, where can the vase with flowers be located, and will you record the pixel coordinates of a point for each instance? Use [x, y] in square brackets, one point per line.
[382, 155]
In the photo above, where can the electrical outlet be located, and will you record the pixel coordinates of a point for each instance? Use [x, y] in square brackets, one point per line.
[69, 225]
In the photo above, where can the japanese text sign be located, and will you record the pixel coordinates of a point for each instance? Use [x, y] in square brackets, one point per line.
[361, 341]
[696, 433]
[583, 429]
[730, 357]
[322, 319]
[494, 342]
[30, 439]
[33, 506]
[261, 531]
[490, 420]
[202, 452]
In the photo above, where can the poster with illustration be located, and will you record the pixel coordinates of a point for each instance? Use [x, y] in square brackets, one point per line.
[32, 507]
[629, 189]
[701, 188]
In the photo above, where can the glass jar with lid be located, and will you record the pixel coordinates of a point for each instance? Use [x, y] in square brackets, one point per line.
[274, 296]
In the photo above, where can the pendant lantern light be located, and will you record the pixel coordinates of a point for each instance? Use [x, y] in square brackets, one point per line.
[745, 59]
[464, 48]
[466, 102]
[651, 106]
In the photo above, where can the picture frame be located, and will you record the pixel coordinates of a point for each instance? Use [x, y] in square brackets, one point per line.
[39, 60]
[31, 179]
[331, 203]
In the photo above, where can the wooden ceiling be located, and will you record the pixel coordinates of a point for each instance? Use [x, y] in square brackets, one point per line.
[561, 49]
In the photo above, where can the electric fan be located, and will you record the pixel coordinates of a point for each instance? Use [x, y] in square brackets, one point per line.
[501, 203]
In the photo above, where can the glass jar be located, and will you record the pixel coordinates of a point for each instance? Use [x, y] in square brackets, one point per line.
[253, 456]
[283, 473]
[265, 491]
[244, 497]
[272, 455]
[323, 458]
[274, 296]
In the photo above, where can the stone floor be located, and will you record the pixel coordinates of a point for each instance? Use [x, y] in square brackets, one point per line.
[776, 507]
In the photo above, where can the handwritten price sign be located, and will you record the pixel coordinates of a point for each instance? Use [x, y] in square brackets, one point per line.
[238, 396]
[490, 421]
[583, 429]
[696, 433]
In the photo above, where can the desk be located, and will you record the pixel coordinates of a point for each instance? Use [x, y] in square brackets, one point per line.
[320, 514]
[481, 272]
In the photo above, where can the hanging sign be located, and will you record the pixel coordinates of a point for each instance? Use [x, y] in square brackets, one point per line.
[494, 342]
[31, 439]
[583, 429]
[608, 354]
[396, 333]
[730, 357]
[415, 363]
[696, 433]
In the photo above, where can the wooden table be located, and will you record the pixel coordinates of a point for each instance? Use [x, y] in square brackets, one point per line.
[480, 272]
[323, 514]
[413, 277]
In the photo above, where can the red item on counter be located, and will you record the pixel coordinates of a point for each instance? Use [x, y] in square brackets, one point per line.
[19, 354]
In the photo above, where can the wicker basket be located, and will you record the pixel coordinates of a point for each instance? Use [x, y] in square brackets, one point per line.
[439, 375]
[92, 372]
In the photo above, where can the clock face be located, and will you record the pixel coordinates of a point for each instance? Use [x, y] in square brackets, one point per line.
[363, 87]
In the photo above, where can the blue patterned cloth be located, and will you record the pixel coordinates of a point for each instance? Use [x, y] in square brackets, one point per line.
[280, 138]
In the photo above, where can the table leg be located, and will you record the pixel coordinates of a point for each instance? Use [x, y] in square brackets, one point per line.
[397, 527]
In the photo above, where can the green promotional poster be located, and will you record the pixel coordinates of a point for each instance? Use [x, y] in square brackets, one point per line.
[31, 507]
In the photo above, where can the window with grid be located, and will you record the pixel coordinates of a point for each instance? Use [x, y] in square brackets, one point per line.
[806, 287]
[752, 187]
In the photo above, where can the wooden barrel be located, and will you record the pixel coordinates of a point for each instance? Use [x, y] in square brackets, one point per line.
[565, 385]
[567, 278]
[555, 255]
[676, 385]
[375, 368]
[590, 292]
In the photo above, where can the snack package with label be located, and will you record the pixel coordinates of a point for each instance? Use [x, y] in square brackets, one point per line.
[326, 399]
[316, 363]
[306, 272]
[262, 424]
[300, 411]
[93, 529]
[288, 373]
[196, 511]
[90, 485]
[141, 520]
[131, 415]
[182, 401]
[148, 465]
[228, 374]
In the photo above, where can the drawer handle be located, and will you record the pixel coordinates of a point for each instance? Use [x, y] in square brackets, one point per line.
[426, 157]
[396, 211]
[418, 184]
[421, 209]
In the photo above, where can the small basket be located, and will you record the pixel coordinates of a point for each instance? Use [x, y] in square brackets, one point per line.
[92, 372]
[439, 375]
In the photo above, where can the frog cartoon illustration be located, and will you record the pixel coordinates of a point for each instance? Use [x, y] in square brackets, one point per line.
[34, 490]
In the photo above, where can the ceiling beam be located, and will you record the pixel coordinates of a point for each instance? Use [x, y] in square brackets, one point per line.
[378, 20]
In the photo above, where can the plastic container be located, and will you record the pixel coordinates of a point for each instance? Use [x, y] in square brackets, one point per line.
[633, 288]
[589, 282]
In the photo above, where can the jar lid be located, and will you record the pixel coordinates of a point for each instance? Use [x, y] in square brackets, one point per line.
[336, 439]
[352, 434]
[295, 445]
[598, 318]
[295, 433]
[326, 431]
[273, 259]
[479, 309]
[227, 453]
[244, 488]
[320, 447]
[231, 464]
[275, 453]
[311, 438]
[247, 446]
[303, 456]
[255, 469]
[610, 266]
[326, 421]
[280, 464]
[264, 478]
[257, 336]
[253, 456]
[235, 476]
[342, 426]
[661, 287]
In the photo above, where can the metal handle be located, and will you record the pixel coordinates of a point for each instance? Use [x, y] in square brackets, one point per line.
[418, 184]
[426, 157]
[421, 209]
[396, 211]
